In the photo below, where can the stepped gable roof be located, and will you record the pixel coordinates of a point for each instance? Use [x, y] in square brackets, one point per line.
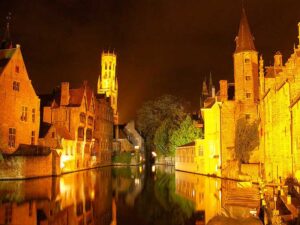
[244, 40]
[5, 56]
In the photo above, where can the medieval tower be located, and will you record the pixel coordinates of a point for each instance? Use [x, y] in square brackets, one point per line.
[108, 82]
[245, 60]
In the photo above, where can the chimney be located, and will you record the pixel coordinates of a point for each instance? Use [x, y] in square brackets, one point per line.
[64, 93]
[213, 91]
[223, 90]
[278, 59]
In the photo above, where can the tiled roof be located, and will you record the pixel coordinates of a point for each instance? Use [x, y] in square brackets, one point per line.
[63, 132]
[76, 96]
[244, 40]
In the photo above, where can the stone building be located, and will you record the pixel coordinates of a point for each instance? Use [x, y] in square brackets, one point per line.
[20, 106]
[72, 112]
[103, 132]
[108, 82]
[279, 109]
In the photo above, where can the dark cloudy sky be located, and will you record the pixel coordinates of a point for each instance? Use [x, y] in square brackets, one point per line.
[163, 46]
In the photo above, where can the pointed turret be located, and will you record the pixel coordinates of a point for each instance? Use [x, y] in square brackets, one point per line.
[6, 40]
[210, 85]
[99, 83]
[244, 40]
[205, 93]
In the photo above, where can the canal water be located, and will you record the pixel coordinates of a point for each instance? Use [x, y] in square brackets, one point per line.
[127, 196]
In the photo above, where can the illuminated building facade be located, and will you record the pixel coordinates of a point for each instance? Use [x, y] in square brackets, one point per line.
[280, 91]
[203, 155]
[108, 82]
[269, 95]
[72, 112]
[103, 132]
[20, 106]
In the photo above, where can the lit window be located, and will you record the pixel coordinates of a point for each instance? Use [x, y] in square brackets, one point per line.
[16, 86]
[33, 137]
[248, 95]
[33, 115]
[24, 113]
[248, 77]
[11, 137]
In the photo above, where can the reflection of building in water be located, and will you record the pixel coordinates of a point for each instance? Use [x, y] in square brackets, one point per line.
[128, 184]
[203, 191]
[213, 196]
[71, 199]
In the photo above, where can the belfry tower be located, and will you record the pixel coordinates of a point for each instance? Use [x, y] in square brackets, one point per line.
[246, 70]
[108, 82]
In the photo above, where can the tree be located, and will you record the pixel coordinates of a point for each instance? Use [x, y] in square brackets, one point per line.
[246, 139]
[162, 137]
[153, 113]
[186, 133]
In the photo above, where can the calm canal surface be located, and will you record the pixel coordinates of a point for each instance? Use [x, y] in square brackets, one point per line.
[127, 195]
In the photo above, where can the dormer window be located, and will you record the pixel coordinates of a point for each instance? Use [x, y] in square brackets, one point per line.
[248, 95]
[247, 60]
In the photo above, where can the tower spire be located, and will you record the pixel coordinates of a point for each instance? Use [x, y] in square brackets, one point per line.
[244, 40]
[205, 93]
[6, 40]
[210, 84]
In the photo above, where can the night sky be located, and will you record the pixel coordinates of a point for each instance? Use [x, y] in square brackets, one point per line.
[163, 46]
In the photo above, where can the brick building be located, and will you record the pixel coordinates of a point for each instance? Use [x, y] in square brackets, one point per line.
[103, 132]
[20, 106]
[71, 111]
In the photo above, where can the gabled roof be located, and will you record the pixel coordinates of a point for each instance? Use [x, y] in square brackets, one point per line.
[5, 56]
[76, 96]
[244, 40]
[63, 132]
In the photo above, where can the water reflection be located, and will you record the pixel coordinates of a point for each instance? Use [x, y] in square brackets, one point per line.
[77, 198]
[127, 195]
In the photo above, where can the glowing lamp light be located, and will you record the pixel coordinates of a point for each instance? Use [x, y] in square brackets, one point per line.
[136, 147]
[154, 154]
[153, 168]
